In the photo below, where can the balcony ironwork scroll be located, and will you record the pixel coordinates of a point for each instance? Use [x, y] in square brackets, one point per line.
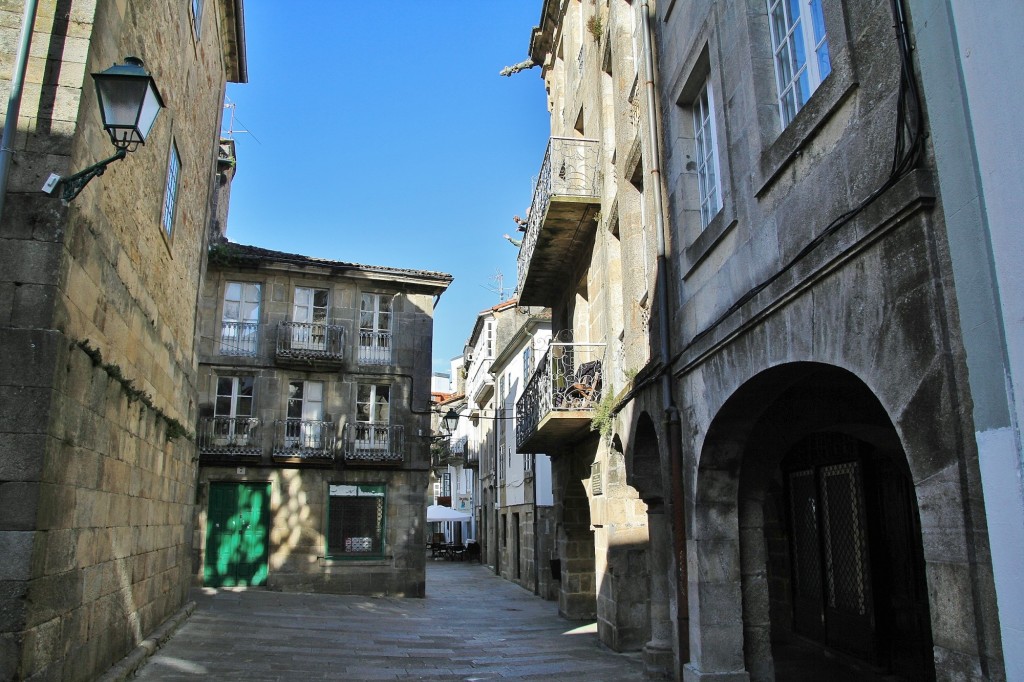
[229, 436]
[304, 439]
[570, 168]
[310, 341]
[373, 443]
[239, 338]
[568, 378]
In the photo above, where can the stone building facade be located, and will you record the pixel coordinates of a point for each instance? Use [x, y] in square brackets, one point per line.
[587, 254]
[773, 215]
[833, 493]
[314, 423]
[97, 326]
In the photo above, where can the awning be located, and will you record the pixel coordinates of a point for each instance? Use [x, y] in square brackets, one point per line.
[436, 512]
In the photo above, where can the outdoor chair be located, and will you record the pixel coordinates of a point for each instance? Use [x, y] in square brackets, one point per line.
[585, 389]
[473, 552]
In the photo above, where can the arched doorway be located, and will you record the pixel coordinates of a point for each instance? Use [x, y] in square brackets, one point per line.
[806, 463]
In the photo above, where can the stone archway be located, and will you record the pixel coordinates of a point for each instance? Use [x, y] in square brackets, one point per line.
[806, 443]
[644, 473]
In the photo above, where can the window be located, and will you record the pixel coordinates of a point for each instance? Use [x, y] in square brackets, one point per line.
[375, 312]
[232, 411]
[171, 190]
[373, 419]
[304, 428]
[795, 25]
[355, 520]
[527, 363]
[197, 16]
[309, 319]
[240, 320]
[446, 484]
[707, 155]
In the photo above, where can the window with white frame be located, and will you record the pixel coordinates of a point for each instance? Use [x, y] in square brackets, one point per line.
[373, 418]
[355, 520]
[240, 319]
[309, 319]
[375, 318]
[233, 410]
[171, 190]
[706, 143]
[801, 54]
[304, 428]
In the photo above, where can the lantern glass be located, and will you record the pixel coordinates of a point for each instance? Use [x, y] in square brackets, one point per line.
[450, 422]
[129, 102]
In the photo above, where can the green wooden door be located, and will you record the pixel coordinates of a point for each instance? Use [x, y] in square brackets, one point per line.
[236, 534]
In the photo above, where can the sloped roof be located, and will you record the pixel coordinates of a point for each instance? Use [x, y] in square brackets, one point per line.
[230, 253]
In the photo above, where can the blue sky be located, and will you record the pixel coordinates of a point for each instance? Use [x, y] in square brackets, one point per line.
[381, 133]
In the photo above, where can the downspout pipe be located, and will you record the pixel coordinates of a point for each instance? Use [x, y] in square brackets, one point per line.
[671, 411]
[14, 100]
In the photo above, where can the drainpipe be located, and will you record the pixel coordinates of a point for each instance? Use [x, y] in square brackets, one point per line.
[672, 425]
[14, 101]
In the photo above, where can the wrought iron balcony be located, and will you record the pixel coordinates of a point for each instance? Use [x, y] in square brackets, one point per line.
[304, 440]
[562, 220]
[239, 338]
[374, 348]
[373, 443]
[472, 460]
[229, 436]
[457, 450]
[557, 405]
[310, 341]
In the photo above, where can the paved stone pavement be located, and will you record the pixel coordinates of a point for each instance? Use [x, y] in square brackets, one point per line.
[472, 626]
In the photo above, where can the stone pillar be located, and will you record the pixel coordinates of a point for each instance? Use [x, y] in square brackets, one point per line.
[657, 653]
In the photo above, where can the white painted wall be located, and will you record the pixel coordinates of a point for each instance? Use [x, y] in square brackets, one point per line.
[971, 59]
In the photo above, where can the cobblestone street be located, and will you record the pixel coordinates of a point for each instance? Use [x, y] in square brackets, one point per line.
[472, 626]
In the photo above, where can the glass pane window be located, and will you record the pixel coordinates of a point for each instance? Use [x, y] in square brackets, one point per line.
[375, 322]
[373, 404]
[240, 319]
[197, 16]
[355, 523]
[234, 397]
[705, 140]
[171, 190]
[800, 49]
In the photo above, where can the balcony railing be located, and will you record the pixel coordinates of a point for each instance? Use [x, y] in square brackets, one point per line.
[472, 460]
[568, 381]
[310, 341]
[304, 439]
[374, 348]
[373, 443]
[570, 169]
[457, 450]
[239, 338]
[229, 436]
[479, 382]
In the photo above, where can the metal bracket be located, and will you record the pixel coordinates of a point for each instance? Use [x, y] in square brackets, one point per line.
[71, 186]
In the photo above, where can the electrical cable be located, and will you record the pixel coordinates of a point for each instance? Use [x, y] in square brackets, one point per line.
[908, 150]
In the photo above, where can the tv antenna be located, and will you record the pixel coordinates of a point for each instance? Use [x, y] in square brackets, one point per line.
[496, 285]
[232, 119]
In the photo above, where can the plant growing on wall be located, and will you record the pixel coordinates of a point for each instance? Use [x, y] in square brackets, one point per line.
[603, 419]
[595, 26]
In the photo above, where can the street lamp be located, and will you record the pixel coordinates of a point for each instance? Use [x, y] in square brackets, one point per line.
[450, 422]
[129, 104]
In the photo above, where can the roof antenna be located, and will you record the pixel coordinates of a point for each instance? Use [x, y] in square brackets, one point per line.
[229, 134]
[497, 286]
